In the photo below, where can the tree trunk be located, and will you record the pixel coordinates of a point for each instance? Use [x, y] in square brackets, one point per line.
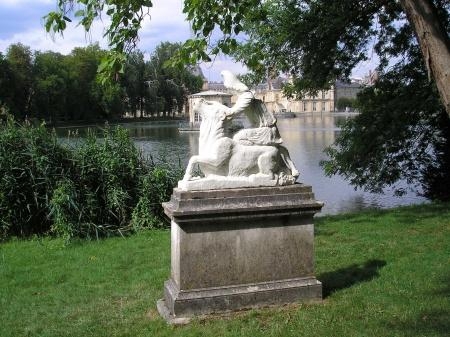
[434, 43]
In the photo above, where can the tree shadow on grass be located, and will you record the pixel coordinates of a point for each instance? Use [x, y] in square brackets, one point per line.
[349, 276]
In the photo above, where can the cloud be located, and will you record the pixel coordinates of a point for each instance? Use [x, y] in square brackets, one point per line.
[21, 21]
[16, 3]
[166, 23]
[38, 39]
[211, 70]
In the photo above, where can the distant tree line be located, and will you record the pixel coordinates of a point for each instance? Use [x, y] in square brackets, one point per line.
[345, 102]
[63, 88]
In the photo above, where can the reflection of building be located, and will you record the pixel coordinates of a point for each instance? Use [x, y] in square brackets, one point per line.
[221, 97]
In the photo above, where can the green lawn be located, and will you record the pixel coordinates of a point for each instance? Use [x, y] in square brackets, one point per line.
[385, 273]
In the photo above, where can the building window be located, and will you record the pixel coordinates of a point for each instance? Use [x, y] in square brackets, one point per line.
[305, 106]
[314, 106]
[323, 94]
[323, 106]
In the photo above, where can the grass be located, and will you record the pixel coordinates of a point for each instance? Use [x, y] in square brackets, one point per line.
[385, 273]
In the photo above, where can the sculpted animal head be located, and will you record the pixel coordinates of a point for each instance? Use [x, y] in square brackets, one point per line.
[209, 109]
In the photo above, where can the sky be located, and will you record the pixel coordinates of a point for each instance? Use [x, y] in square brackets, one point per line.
[22, 21]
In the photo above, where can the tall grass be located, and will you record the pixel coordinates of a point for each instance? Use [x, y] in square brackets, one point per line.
[102, 186]
[31, 164]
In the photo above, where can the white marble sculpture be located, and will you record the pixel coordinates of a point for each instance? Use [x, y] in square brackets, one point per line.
[252, 157]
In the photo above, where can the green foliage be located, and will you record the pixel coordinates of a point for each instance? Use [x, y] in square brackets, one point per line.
[156, 187]
[126, 19]
[62, 88]
[344, 102]
[402, 134]
[64, 209]
[50, 87]
[318, 42]
[169, 84]
[99, 187]
[31, 164]
[87, 98]
[104, 186]
[18, 97]
[6, 78]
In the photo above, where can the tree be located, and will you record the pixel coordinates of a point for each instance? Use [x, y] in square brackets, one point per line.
[134, 82]
[319, 41]
[402, 134]
[19, 58]
[50, 80]
[6, 90]
[83, 64]
[434, 42]
[87, 98]
[345, 102]
[172, 85]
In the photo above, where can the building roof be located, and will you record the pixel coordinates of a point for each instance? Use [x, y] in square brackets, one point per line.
[211, 93]
[342, 84]
[216, 86]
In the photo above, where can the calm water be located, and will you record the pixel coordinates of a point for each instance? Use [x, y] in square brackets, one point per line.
[305, 137]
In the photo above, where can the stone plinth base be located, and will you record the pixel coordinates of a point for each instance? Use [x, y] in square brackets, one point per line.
[240, 248]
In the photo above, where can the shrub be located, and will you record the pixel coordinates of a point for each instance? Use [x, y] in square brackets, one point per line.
[98, 187]
[156, 187]
[31, 164]
[106, 179]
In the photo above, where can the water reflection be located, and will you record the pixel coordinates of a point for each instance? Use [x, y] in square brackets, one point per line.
[305, 136]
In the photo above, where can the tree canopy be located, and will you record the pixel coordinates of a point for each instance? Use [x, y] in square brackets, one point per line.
[54, 87]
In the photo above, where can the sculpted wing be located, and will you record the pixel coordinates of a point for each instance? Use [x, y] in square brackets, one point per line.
[230, 81]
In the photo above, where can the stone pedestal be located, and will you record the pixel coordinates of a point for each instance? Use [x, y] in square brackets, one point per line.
[240, 248]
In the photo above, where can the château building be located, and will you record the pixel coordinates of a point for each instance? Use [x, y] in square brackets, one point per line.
[271, 94]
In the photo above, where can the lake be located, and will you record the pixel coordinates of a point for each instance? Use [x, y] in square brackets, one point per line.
[305, 137]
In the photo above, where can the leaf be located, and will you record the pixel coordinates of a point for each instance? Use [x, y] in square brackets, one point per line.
[79, 13]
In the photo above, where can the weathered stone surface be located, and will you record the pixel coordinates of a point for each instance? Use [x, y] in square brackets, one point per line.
[226, 204]
[240, 248]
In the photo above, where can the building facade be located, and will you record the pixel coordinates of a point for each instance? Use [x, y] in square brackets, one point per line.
[271, 94]
[277, 103]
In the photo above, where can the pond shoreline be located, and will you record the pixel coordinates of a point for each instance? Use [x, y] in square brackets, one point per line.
[101, 123]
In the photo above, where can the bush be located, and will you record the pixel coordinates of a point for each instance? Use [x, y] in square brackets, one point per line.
[106, 180]
[101, 186]
[156, 187]
[31, 164]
